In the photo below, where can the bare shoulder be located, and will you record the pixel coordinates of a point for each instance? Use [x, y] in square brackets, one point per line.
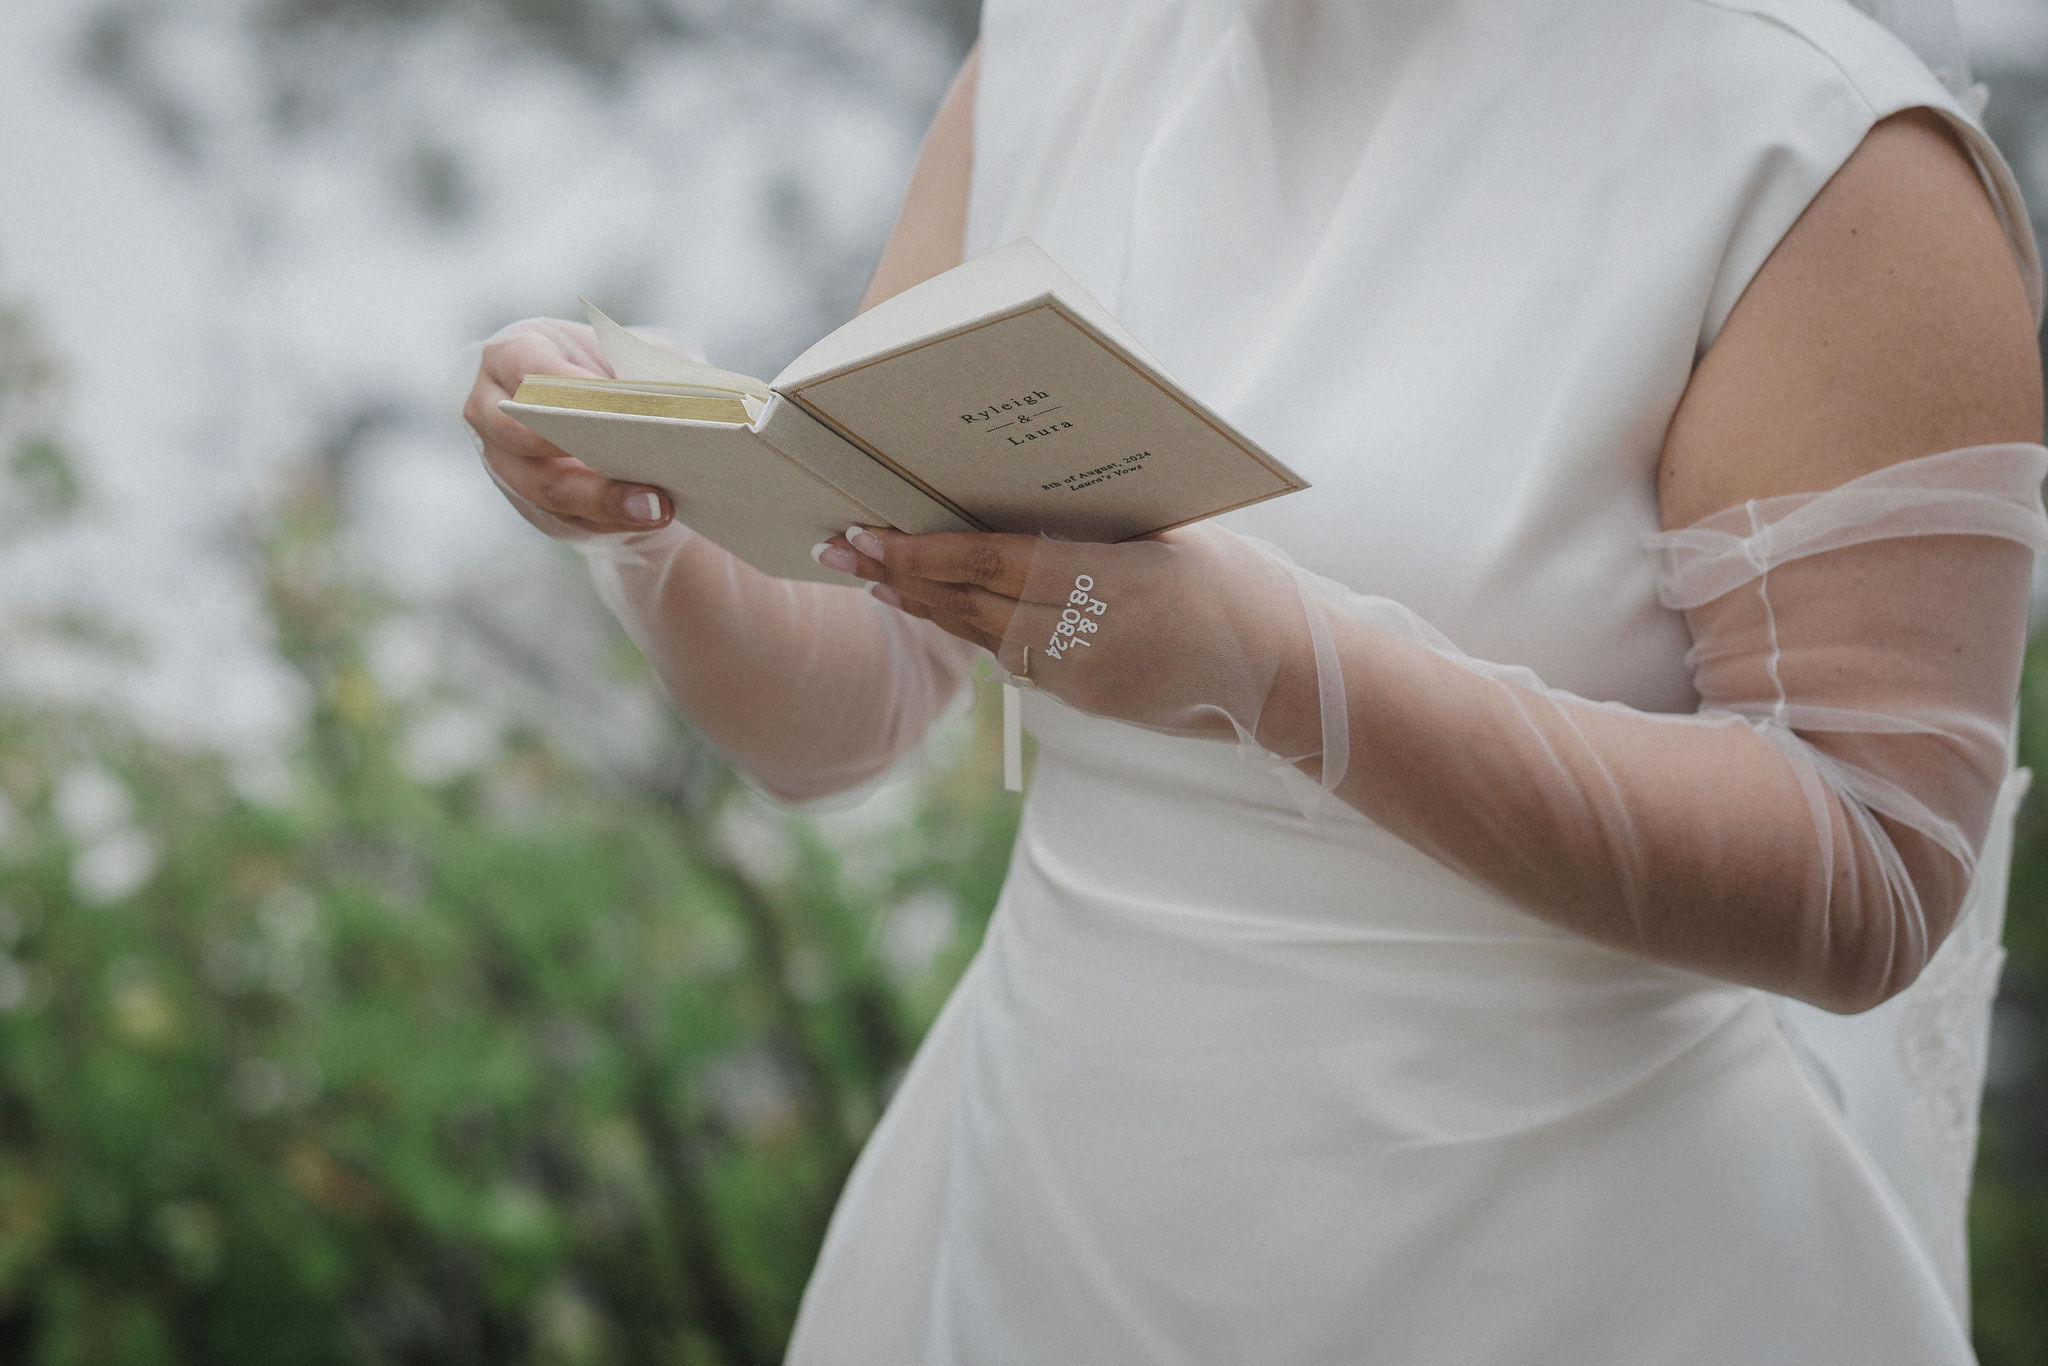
[931, 226]
[1891, 322]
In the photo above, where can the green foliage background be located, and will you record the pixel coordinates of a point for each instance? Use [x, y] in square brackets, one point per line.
[525, 1067]
[522, 1067]
[2009, 1203]
[537, 1064]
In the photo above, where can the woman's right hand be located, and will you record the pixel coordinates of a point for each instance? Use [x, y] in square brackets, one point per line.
[551, 488]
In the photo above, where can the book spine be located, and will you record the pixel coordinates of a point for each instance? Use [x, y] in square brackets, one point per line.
[852, 471]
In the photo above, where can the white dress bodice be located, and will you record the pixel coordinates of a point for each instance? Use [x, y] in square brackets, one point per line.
[1223, 1086]
[1453, 260]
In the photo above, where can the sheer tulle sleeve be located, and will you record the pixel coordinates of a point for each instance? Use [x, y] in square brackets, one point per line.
[807, 689]
[1811, 828]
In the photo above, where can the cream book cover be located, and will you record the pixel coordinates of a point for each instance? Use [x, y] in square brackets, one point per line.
[998, 396]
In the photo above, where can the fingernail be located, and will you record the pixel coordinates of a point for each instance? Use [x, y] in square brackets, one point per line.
[833, 556]
[865, 541]
[885, 594]
[643, 507]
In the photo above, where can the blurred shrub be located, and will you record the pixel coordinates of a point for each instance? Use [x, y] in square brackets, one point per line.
[2009, 1203]
[36, 481]
[522, 1066]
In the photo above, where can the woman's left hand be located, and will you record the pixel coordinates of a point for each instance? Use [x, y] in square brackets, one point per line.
[1190, 631]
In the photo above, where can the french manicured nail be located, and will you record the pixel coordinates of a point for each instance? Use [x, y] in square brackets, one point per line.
[643, 506]
[885, 594]
[833, 556]
[865, 541]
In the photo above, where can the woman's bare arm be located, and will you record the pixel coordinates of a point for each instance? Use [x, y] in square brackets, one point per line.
[814, 688]
[1811, 829]
[932, 225]
[807, 685]
[808, 688]
[1889, 323]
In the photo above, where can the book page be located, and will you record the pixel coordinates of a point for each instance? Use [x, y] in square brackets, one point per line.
[633, 396]
[635, 358]
[989, 285]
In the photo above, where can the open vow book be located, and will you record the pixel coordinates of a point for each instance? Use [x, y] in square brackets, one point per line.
[997, 397]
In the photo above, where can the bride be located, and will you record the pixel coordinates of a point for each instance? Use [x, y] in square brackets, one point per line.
[1534, 897]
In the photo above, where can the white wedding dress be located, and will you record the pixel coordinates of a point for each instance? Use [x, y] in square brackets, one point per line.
[1224, 1086]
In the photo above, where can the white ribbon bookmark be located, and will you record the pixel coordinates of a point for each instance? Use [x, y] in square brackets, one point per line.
[1013, 740]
